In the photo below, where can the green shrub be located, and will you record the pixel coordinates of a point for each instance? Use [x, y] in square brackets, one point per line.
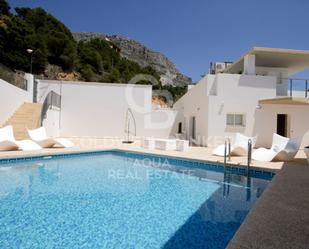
[53, 43]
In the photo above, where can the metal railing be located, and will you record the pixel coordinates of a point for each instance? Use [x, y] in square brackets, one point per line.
[298, 87]
[52, 100]
[227, 150]
[219, 67]
[249, 156]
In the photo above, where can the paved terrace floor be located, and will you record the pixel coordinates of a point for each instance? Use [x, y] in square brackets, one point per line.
[280, 218]
[197, 153]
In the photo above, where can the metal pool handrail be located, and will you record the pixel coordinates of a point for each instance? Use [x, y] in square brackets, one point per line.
[249, 153]
[227, 148]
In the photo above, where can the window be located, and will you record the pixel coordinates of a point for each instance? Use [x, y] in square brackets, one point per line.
[234, 119]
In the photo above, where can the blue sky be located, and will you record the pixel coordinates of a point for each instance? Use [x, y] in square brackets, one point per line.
[190, 33]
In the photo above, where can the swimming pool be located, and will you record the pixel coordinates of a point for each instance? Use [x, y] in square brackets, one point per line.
[116, 199]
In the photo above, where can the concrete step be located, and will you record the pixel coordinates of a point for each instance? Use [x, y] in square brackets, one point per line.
[27, 116]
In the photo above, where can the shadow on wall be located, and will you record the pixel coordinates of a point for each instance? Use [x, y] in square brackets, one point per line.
[264, 128]
[260, 82]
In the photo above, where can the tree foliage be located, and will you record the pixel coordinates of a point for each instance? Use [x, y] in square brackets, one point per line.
[176, 91]
[49, 39]
[4, 8]
[101, 59]
[53, 43]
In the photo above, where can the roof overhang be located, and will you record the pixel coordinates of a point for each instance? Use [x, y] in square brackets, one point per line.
[293, 60]
[285, 101]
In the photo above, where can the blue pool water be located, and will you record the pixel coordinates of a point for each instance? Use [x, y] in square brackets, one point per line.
[123, 200]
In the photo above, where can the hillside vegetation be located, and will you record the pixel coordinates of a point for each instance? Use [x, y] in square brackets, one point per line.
[144, 56]
[53, 44]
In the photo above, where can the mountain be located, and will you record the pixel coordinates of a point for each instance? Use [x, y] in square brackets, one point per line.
[56, 54]
[137, 52]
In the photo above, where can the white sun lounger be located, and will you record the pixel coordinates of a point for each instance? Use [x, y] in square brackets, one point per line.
[282, 149]
[8, 142]
[238, 148]
[39, 136]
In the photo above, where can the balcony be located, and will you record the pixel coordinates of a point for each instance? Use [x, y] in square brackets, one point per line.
[298, 88]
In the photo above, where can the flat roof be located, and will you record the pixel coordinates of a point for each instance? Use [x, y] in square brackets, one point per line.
[285, 101]
[294, 60]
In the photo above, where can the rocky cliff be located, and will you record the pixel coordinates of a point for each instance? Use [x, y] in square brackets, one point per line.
[144, 56]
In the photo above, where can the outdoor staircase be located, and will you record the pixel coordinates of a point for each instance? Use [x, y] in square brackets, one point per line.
[27, 116]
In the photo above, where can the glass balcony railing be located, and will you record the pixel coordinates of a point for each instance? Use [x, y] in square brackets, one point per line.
[298, 88]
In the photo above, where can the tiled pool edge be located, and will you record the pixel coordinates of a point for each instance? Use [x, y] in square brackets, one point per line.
[218, 166]
[238, 165]
[50, 155]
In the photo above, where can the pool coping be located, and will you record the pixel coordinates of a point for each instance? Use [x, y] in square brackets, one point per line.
[45, 154]
[280, 218]
[231, 165]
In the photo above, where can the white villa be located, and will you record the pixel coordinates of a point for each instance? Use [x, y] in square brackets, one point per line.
[109, 196]
[252, 96]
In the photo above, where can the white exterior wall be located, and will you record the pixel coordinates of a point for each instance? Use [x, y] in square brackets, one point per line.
[282, 76]
[95, 110]
[194, 103]
[46, 86]
[266, 122]
[30, 85]
[249, 64]
[11, 98]
[99, 109]
[237, 94]
[215, 96]
[161, 125]
[52, 122]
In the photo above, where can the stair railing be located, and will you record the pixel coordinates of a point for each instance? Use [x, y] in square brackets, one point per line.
[52, 99]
